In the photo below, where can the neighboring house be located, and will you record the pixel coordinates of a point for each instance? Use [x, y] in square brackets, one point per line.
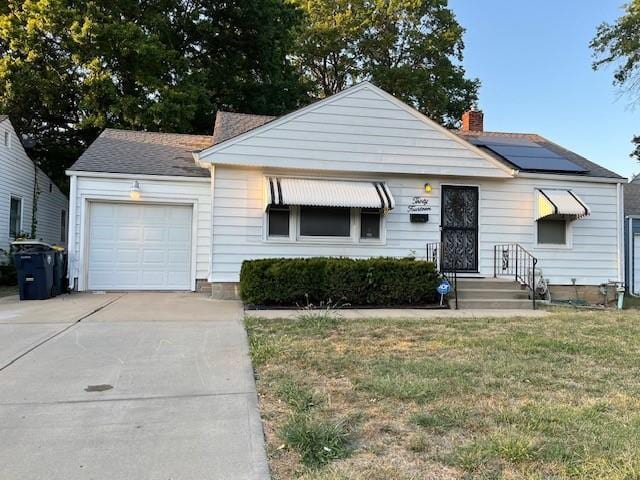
[632, 235]
[21, 183]
[358, 174]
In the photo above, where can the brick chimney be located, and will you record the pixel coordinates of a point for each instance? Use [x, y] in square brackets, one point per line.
[473, 121]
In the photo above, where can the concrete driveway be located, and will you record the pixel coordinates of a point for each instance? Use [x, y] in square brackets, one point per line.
[127, 386]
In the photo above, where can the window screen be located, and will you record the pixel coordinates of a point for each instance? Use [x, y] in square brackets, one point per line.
[552, 231]
[325, 222]
[370, 223]
[278, 222]
[15, 217]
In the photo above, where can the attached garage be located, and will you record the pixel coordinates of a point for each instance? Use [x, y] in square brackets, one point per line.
[137, 246]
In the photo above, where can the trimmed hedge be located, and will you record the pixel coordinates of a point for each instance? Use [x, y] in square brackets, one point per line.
[374, 281]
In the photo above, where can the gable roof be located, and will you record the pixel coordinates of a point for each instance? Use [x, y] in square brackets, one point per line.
[3, 118]
[593, 169]
[379, 133]
[144, 153]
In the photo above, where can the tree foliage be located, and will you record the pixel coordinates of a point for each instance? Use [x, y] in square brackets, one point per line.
[411, 48]
[618, 44]
[70, 68]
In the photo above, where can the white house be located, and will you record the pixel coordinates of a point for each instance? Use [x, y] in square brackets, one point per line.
[358, 174]
[21, 184]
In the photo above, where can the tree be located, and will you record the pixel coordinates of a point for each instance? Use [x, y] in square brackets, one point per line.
[619, 44]
[70, 68]
[411, 48]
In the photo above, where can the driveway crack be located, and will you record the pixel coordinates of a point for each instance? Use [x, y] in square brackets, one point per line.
[60, 332]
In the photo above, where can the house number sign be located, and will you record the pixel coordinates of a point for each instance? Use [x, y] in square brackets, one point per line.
[420, 205]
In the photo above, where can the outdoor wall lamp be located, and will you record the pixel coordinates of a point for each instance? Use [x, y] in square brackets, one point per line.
[134, 193]
[428, 187]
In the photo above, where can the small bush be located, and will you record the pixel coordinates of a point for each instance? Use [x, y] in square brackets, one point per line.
[317, 441]
[363, 282]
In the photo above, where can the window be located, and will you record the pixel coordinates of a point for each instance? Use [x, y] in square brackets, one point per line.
[370, 223]
[6, 139]
[552, 231]
[15, 217]
[325, 222]
[63, 226]
[50, 187]
[278, 220]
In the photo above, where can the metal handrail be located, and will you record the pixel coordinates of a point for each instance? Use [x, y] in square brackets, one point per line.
[435, 255]
[512, 259]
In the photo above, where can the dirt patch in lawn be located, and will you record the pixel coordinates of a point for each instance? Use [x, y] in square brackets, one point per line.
[553, 397]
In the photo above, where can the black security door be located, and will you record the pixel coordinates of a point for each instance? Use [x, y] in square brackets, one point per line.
[459, 228]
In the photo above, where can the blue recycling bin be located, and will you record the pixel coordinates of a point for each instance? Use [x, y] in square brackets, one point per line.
[60, 284]
[35, 271]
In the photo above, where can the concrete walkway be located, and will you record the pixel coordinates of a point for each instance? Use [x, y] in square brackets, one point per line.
[144, 386]
[409, 313]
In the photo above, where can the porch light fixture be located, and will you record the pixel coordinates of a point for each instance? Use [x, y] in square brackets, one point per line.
[134, 193]
[428, 187]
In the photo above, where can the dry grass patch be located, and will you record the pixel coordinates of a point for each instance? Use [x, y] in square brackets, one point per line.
[540, 398]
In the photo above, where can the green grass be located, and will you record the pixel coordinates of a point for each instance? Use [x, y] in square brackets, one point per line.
[542, 398]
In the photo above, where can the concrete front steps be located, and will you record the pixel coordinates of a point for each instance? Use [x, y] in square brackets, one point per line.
[491, 293]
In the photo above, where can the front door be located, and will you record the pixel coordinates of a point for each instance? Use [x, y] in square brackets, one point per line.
[459, 228]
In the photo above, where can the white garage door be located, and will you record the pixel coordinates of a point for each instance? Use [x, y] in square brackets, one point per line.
[139, 247]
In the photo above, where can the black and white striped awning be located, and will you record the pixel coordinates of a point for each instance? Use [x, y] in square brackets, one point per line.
[328, 193]
[560, 203]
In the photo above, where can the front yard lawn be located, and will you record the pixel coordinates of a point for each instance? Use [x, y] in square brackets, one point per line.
[539, 398]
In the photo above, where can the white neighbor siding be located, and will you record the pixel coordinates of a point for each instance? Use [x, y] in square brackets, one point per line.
[506, 209]
[188, 191]
[17, 179]
[51, 204]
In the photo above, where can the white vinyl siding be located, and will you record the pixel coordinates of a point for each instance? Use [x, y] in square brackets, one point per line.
[160, 191]
[361, 130]
[506, 215]
[51, 203]
[18, 180]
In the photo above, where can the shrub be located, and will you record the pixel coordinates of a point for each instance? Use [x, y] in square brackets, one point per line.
[374, 281]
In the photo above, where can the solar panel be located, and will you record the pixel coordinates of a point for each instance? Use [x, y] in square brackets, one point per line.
[528, 155]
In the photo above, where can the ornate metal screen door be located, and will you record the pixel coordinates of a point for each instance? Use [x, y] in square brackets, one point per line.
[459, 228]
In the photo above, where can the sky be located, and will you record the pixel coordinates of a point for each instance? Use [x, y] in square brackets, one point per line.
[534, 62]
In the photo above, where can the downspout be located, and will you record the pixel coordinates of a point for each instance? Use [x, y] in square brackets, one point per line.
[71, 235]
[630, 259]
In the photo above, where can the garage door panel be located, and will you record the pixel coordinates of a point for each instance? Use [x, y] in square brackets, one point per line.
[139, 247]
[177, 234]
[154, 256]
[154, 234]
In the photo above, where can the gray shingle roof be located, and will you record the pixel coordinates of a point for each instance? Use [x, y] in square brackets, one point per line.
[632, 198]
[3, 118]
[594, 170]
[145, 153]
[229, 125]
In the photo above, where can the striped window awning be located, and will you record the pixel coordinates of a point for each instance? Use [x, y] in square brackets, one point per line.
[560, 203]
[327, 193]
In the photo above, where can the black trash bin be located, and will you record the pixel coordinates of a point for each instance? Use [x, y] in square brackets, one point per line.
[35, 268]
[60, 272]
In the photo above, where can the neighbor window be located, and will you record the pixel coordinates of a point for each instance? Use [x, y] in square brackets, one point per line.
[552, 231]
[278, 219]
[370, 223]
[15, 217]
[6, 139]
[63, 226]
[325, 222]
